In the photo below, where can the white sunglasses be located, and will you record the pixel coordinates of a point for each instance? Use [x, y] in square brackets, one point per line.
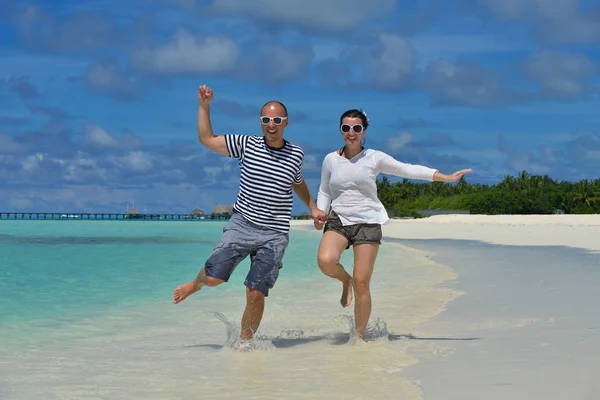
[276, 120]
[345, 128]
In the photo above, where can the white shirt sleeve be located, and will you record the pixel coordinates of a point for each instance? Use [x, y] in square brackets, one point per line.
[324, 196]
[388, 165]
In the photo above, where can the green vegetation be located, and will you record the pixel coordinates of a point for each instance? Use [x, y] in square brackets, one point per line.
[521, 194]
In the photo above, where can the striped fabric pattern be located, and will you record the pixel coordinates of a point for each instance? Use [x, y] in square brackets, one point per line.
[267, 176]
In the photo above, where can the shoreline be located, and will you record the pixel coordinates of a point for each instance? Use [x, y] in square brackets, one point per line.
[409, 289]
[520, 327]
[577, 231]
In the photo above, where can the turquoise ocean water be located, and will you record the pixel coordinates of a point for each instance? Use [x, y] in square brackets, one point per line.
[86, 312]
[56, 272]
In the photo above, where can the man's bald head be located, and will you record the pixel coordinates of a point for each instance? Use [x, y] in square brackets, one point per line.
[274, 120]
[275, 106]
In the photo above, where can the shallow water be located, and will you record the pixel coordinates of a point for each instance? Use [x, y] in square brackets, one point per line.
[97, 319]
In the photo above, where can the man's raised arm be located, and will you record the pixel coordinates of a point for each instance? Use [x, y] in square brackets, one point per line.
[205, 133]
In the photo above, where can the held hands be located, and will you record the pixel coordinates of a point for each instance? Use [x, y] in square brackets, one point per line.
[319, 217]
[205, 95]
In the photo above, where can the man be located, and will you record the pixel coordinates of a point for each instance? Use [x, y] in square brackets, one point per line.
[270, 168]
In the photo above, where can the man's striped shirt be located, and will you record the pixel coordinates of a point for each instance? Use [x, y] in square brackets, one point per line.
[267, 176]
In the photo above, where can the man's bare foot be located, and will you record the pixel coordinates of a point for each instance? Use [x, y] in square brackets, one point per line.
[182, 291]
[346, 293]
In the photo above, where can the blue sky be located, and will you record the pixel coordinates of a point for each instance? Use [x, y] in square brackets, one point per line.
[98, 99]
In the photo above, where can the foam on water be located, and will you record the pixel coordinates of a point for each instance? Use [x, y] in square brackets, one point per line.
[150, 348]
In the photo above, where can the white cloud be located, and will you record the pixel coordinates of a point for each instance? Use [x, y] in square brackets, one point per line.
[290, 61]
[465, 83]
[30, 163]
[311, 164]
[82, 169]
[99, 137]
[331, 15]
[8, 145]
[137, 161]
[110, 77]
[390, 68]
[188, 54]
[561, 74]
[399, 142]
[559, 21]
[451, 46]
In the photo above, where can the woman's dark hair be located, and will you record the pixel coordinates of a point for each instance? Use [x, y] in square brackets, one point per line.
[354, 113]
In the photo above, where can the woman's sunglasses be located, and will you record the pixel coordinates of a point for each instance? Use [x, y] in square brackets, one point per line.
[276, 120]
[356, 128]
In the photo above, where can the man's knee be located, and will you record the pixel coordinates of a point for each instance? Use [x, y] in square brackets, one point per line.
[254, 296]
[207, 280]
[212, 282]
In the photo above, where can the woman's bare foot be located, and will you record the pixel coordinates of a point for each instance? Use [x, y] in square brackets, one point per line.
[346, 299]
[182, 291]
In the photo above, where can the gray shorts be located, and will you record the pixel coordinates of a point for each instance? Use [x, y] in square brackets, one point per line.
[356, 234]
[241, 239]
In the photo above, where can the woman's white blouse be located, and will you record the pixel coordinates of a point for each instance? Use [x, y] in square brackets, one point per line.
[349, 187]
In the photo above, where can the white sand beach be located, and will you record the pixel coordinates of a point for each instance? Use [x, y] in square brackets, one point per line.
[525, 324]
[581, 231]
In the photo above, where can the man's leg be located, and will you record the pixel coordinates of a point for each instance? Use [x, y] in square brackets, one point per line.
[330, 251]
[233, 247]
[184, 290]
[255, 307]
[265, 263]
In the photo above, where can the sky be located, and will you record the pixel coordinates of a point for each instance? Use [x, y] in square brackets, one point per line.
[98, 99]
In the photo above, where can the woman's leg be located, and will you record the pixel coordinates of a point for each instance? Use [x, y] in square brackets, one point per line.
[364, 262]
[330, 251]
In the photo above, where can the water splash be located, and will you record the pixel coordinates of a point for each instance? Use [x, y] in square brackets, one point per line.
[376, 330]
[231, 330]
[233, 342]
[292, 334]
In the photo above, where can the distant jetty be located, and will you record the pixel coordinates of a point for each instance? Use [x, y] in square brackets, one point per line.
[220, 212]
[106, 216]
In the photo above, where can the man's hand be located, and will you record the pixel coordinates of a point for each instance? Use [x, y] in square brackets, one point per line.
[319, 225]
[205, 95]
[319, 217]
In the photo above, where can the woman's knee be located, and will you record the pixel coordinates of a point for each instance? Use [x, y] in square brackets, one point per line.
[327, 261]
[361, 285]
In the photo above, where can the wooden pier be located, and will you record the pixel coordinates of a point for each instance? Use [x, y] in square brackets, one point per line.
[112, 216]
[106, 216]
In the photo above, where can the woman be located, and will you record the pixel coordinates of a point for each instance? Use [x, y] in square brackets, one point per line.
[348, 193]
